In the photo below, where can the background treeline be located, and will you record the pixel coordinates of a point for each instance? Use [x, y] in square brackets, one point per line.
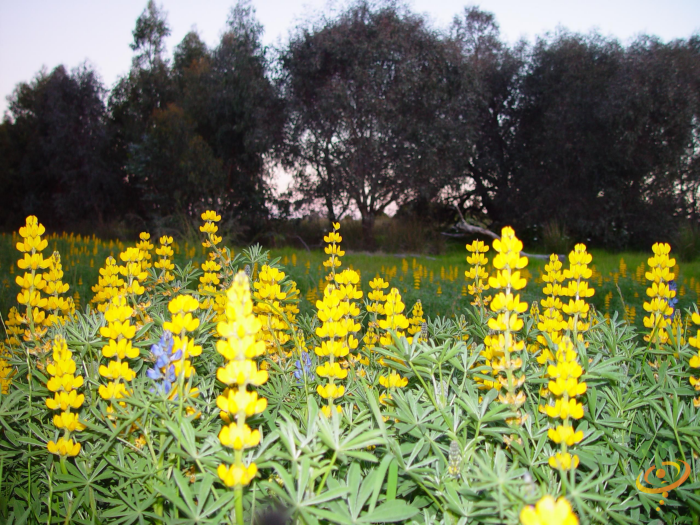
[369, 108]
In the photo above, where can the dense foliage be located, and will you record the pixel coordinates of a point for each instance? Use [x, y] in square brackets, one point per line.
[368, 108]
[200, 394]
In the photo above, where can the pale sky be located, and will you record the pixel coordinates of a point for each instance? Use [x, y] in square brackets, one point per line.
[43, 33]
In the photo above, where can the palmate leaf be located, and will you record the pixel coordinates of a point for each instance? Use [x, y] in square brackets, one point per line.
[359, 437]
[210, 506]
[132, 504]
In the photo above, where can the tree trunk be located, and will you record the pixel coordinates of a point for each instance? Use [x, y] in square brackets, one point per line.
[368, 231]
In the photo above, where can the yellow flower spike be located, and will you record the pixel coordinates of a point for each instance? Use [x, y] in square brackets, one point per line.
[549, 512]
[500, 347]
[659, 308]
[239, 328]
[64, 384]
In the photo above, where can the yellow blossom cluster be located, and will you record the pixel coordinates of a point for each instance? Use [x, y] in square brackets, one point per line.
[133, 270]
[274, 308]
[145, 246]
[563, 388]
[338, 313]
[375, 307]
[394, 319]
[211, 279]
[660, 293]
[127, 278]
[333, 250]
[57, 306]
[477, 274]
[547, 511]
[165, 260]
[551, 321]
[109, 284]
[64, 384]
[183, 309]
[502, 346]
[239, 344]
[415, 323]
[119, 332]
[577, 289]
[6, 371]
[34, 285]
[694, 342]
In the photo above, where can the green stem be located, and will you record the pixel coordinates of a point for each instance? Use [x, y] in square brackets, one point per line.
[48, 519]
[328, 471]
[238, 496]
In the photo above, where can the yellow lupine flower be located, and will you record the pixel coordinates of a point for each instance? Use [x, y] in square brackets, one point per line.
[234, 401]
[564, 409]
[566, 435]
[659, 308]
[393, 381]
[331, 370]
[564, 461]
[68, 421]
[330, 391]
[237, 475]
[239, 438]
[239, 329]
[64, 447]
[502, 345]
[64, 400]
[549, 512]
[241, 372]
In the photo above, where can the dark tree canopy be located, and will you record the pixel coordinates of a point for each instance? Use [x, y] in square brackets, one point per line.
[366, 94]
[56, 145]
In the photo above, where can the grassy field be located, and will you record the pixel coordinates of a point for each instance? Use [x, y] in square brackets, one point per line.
[438, 281]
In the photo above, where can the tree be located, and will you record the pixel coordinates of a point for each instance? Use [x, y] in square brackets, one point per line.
[366, 97]
[242, 118]
[483, 111]
[58, 130]
[601, 133]
[136, 97]
[149, 37]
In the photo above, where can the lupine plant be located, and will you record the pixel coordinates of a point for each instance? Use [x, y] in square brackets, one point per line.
[199, 393]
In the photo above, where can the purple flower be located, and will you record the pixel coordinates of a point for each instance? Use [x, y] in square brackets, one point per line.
[163, 373]
[303, 367]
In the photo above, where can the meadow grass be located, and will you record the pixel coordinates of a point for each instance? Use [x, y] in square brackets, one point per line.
[437, 280]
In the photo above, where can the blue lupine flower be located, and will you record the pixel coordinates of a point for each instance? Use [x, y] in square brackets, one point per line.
[303, 367]
[164, 371]
[673, 301]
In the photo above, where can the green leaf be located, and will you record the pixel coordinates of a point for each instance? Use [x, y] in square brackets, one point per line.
[390, 512]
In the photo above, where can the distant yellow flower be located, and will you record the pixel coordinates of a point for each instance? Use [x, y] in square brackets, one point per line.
[660, 294]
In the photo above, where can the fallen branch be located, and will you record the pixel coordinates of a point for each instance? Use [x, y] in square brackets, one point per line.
[469, 229]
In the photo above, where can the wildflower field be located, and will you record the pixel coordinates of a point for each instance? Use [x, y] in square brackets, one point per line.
[165, 382]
